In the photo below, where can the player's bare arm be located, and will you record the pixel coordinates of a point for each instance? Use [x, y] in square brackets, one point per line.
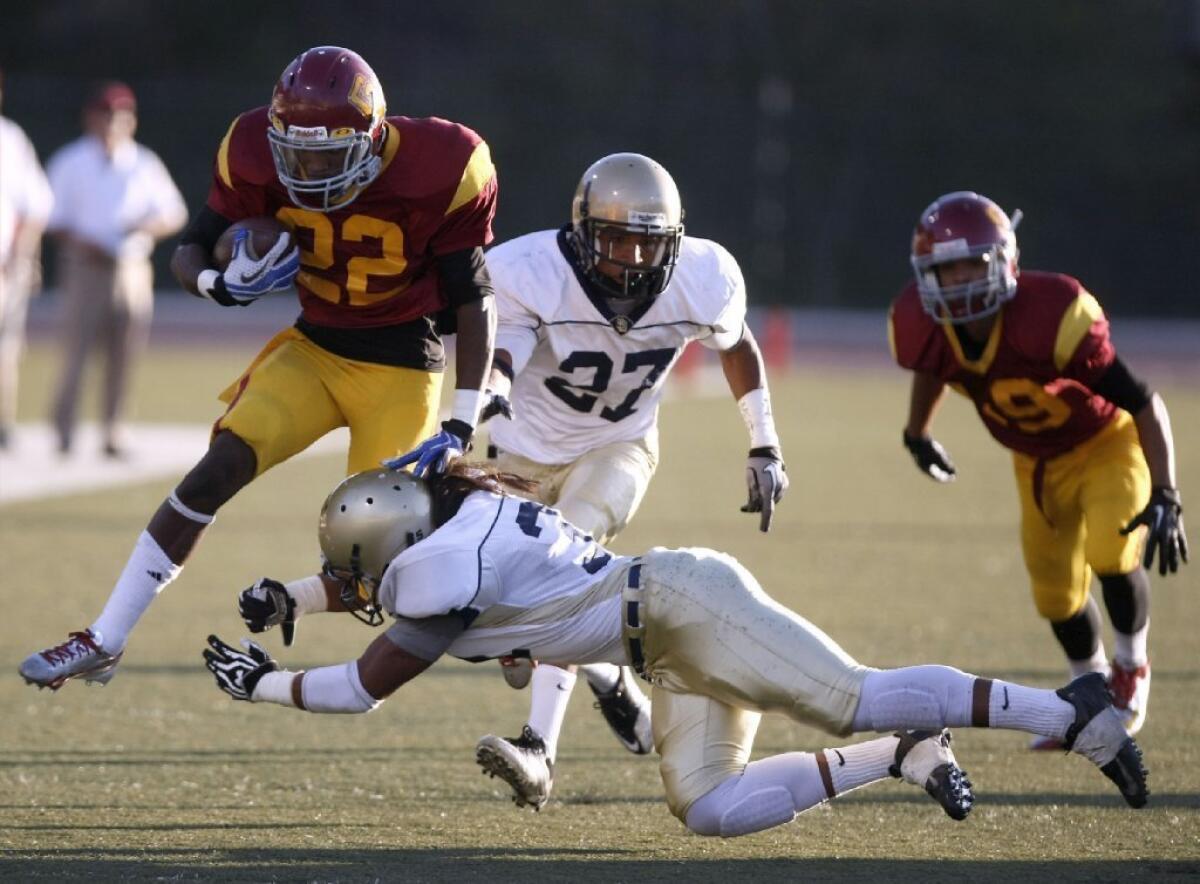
[925, 397]
[766, 475]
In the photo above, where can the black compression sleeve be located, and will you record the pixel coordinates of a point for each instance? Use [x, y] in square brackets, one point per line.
[205, 229]
[465, 276]
[1122, 389]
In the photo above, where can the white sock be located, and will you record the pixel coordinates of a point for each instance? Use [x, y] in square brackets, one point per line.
[1131, 650]
[1098, 662]
[551, 691]
[602, 676]
[146, 573]
[767, 793]
[861, 763]
[1032, 710]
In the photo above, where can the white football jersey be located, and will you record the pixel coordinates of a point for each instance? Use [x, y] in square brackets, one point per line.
[525, 582]
[585, 376]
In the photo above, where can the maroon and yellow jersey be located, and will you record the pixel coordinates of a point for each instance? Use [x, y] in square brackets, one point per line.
[1032, 384]
[370, 263]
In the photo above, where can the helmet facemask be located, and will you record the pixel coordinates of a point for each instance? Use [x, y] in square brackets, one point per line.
[641, 280]
[368, 520]
[322, 172]
[967, 302]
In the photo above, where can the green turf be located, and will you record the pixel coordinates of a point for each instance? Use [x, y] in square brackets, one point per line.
[160, 777]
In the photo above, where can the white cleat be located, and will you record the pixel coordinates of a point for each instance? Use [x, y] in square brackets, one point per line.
[80, 656]
[520, 762]
[925, 759]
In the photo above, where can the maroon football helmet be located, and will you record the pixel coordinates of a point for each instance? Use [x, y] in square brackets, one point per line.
[327, 127]
[965, 225]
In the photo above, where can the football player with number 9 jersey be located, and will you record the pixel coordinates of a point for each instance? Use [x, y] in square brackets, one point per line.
[1092, 447]
[386, 219]
[593, 317]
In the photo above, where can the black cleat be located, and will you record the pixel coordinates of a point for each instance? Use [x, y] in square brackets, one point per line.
[1099, 735]
[627, 712]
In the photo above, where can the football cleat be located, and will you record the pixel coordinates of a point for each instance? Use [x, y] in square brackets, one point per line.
[1130, 688]
[80, 656]
[520, 762]
[517, 671]
[924, 758]
[627, 712]
[1098, 734]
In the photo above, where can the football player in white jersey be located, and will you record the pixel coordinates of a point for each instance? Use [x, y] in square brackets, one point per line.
[468, 569]
[592, 317]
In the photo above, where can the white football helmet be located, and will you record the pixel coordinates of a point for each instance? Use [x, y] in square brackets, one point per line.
[634, 194]
[368, 520]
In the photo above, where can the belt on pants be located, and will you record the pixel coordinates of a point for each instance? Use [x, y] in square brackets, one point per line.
[632, 610]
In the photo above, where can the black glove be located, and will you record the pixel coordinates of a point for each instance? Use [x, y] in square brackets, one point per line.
[496, 404]
[237, 673]
[1163, 516]
[931, 457]
[766, 481]
[267, 603]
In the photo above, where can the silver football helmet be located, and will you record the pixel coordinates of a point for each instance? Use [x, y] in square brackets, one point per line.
[368, 520]
[631, 194]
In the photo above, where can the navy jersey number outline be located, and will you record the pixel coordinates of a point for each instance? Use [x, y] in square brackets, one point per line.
[581, 396]
[527, 518]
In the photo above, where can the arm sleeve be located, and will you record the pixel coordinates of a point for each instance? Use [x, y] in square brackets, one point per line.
[429, 638]
[517, 330]
[1120, 387]
[205, 229]
[230, 194]
[468, 220]
[465, 278]
[431, 581]
[1083, 349]
[728, 328]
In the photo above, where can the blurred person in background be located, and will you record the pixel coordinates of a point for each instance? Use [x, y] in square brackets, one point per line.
[113, 199]
[383, 220]
[25, 201]
[1093, 453]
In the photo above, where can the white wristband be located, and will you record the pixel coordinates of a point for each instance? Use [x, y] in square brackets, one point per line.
[275, 687]
[755, 407]
[206, 280]
[309, 595]
[467, 405]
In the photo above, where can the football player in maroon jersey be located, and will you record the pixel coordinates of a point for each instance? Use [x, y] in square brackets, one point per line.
[1092, 446]
[386, 221]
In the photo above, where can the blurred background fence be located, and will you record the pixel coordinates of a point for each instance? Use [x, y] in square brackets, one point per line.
[805, 136]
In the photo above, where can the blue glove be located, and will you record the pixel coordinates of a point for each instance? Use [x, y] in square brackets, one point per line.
[436, 452]
[247, 279]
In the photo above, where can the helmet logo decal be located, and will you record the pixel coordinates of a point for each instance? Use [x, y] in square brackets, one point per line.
[952, 249]
[652, 220]
[360, 95]
[308, 133]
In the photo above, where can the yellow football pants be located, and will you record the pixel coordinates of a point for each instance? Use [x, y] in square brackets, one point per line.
[1072, 514]
[295, 392]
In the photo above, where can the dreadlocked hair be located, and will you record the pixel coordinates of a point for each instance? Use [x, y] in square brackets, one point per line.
[449, 489]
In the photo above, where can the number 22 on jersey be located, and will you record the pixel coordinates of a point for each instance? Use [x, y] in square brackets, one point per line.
[389, 262]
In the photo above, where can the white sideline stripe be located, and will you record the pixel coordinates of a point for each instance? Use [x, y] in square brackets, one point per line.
[31, 468]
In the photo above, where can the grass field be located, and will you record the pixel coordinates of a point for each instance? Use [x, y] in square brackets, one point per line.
[160, 777]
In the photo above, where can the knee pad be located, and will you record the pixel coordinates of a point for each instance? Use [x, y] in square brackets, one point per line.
[760, 809]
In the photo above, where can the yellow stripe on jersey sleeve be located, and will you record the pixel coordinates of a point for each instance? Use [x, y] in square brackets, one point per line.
[475, 177]
[223, 155]
[1076, 322]
[892, 333]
